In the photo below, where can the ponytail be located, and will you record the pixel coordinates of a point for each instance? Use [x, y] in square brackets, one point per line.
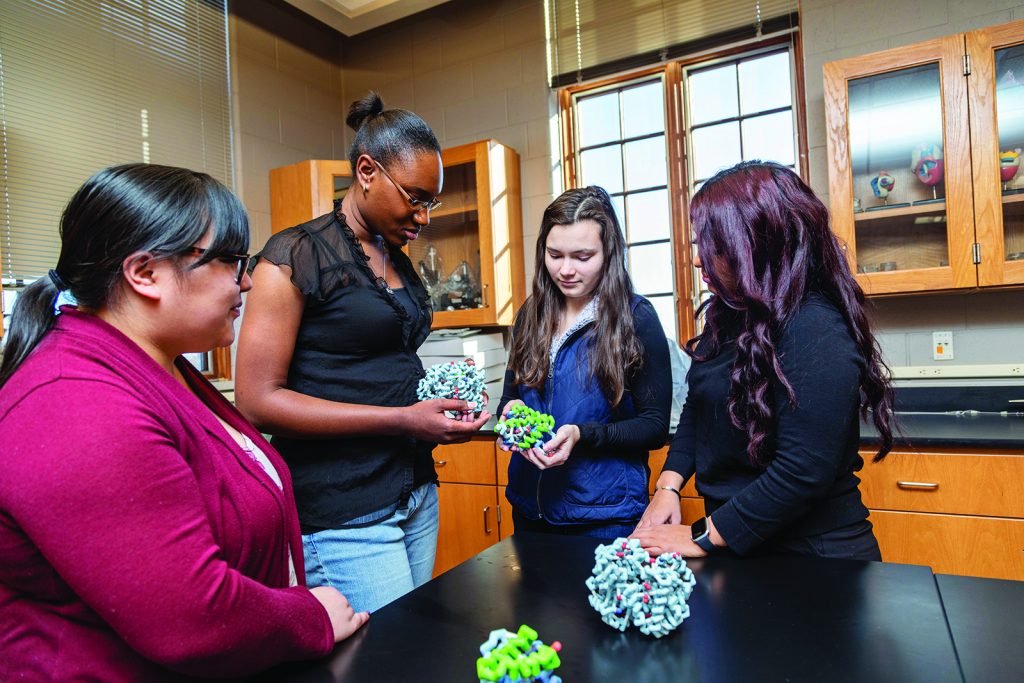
[32, 319]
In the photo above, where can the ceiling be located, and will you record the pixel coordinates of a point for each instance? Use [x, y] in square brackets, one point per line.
[355, 16]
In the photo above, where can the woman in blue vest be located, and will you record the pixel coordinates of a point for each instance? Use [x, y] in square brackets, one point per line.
[589, 351]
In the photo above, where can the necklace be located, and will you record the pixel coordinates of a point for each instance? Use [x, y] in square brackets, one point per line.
[384, 259]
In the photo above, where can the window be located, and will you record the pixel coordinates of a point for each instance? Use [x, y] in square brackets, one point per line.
[651, 139]
[85, 85]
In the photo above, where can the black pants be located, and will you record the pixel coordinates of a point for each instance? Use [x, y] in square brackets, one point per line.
[853, 542]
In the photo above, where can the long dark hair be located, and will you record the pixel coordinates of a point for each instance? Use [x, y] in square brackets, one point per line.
[764, 240]
[614, 349]
[161, 210]
[386, 134]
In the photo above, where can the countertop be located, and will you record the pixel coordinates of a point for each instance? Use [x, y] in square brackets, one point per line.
[978, 431]
[770, 618]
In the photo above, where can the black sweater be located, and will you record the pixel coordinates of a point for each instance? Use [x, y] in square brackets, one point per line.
[809, 486]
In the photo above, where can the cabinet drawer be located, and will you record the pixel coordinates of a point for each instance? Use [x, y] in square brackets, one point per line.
[656, 462]
[931, 482]
[466, 463]
[952, 544]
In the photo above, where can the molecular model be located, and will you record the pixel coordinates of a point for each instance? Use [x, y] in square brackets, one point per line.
[524, 428]
[629, 586]
[459, 380]
[509, 657]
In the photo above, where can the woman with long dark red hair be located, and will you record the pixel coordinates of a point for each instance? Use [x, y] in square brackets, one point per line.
[782, 372]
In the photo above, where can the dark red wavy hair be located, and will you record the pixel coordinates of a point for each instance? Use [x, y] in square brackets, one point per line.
[764, 241]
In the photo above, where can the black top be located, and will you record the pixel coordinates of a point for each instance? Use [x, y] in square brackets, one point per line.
[650, 386]
[751, 619]
[356, 344]
[809, 487]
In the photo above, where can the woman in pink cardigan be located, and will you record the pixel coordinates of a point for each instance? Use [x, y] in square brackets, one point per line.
[147, 531]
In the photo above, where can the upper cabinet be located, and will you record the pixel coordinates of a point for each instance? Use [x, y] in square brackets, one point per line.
[916, 136]
[470, 256]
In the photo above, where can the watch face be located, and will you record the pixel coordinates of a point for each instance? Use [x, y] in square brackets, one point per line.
[699, 528]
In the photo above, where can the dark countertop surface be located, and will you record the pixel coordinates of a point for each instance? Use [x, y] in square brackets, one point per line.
[985, 620]
[979, 431]
[752, 619]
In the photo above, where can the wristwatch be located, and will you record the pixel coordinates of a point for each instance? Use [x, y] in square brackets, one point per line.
[701, 535]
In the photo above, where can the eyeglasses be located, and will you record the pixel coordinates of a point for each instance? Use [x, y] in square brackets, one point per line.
[416, 205]
[240, 262]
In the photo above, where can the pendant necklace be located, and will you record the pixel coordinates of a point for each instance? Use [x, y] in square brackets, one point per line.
[384, 258]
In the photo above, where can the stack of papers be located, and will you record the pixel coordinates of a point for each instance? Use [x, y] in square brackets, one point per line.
[486, 348]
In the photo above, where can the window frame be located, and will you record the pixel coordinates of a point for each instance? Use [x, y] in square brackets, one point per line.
[676, 137]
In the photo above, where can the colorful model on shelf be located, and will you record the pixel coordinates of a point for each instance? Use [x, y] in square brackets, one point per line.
[508, 657]
[1009, 164]
[927, 164]
[629, 587]
[882, 184]
[456, 379]
[524, 428]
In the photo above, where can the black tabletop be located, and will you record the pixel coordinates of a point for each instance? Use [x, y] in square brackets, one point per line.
[752, 619]
[986, 619]
[978, 431]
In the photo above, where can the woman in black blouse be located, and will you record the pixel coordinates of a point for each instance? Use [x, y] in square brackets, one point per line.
[327, 364]
[783, 370]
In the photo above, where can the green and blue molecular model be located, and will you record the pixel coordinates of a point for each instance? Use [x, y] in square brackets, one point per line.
[509, 657]
[525, 428]
[629, 586]
[456, 379]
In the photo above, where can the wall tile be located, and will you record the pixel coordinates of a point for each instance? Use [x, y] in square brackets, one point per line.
[894, 348]
[866, 17]
[294, 61]
[300, 133]
[524, 25]
[921, 312]
[444, 87]
[537, 177]
[510, 136]
[255, 43]
[538, 140]
[435, 119]
[528, 102]
[259, 230]
[498, 71]
[995, 309]
[469, 118]
[970, 347]
[535, 64]
[260, 121]
[824, 35]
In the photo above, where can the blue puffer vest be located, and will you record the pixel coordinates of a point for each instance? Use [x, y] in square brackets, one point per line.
[592, 486]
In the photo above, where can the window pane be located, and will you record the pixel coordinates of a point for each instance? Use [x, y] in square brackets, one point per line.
[200, 360]
[770, 138]
[598, 119]
[713, 94]
[650, 266]
[648, 216]
[618, 203]
[764, 83]
[643, 109]
[645, 163]
[715, 148]
[602, 166]
[665, 307]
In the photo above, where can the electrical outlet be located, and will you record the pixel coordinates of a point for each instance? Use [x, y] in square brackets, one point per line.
[942, 345]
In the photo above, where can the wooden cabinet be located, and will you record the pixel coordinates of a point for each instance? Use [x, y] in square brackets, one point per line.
[469, 501]
[470, 256]
[914, 135]
[959, 513]
[690, 503]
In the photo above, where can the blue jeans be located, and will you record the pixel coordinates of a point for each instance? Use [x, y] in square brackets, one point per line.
[375, 564]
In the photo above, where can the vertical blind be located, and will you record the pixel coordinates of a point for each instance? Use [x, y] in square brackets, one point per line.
[85, 84]
[592, 38]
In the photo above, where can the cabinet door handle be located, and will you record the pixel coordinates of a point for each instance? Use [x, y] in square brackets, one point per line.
[917, 485]
[483, 294]
[487, 529]
[440, 463]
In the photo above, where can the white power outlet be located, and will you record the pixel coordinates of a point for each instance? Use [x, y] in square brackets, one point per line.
[942, 345]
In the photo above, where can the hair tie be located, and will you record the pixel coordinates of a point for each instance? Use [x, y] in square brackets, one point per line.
[58, 281]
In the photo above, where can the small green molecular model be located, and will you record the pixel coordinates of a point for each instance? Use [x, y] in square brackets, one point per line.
[629, 586]
[509, 657]
[525, 428]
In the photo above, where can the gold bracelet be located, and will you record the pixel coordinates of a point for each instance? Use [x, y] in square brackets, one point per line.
[669, 488]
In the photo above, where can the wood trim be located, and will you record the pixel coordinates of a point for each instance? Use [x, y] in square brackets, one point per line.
[682, 249]
[220, 360]
[800, 107]
[567, 120]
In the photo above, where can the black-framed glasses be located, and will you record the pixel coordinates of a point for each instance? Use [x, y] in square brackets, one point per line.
[417, 205]
[240, 262]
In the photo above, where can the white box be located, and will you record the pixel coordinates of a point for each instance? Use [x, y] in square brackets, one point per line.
[441, 344]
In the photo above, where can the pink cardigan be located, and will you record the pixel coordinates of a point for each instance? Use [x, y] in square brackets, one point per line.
[137, 540]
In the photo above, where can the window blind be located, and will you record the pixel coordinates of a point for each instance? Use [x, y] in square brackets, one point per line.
[592, 38]
[88, 84]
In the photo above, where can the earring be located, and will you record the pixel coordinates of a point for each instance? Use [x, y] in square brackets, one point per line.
[366, 189]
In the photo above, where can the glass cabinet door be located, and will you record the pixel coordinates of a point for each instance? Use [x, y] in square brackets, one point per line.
[447, 253]
[900, 167]
[997, 142]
